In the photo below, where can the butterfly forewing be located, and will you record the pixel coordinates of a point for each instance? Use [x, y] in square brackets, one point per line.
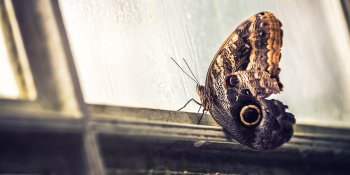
[255, 45]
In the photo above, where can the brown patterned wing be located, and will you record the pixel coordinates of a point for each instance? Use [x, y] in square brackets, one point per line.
[266, 39]
[252, 54]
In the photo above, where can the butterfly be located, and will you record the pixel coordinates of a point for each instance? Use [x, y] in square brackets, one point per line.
[243, 73]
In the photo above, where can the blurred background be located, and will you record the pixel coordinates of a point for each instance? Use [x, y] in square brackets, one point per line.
[88, 87]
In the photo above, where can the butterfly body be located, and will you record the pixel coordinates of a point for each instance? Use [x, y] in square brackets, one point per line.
[243, 73]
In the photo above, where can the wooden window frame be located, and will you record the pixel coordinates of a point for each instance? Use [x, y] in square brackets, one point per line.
[112, 137]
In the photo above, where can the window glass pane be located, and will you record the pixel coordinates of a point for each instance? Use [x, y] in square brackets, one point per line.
[8, 86]
[122, 50]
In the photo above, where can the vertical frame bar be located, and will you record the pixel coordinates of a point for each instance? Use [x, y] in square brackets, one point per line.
[55, 77]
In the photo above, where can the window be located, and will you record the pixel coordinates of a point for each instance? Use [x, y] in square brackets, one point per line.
[9, 88]
[16, 77]
[99, 89]
[122, 51]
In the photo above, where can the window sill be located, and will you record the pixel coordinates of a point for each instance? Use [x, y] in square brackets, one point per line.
[159, 140]
[132, 140]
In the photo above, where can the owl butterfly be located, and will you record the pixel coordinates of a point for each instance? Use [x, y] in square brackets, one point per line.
[243, 73]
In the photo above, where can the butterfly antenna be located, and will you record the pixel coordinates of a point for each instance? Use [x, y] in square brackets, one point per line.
[191, 71]
[185, 71]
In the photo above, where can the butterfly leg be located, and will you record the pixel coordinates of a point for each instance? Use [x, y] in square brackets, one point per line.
[189, 102]
[200, 118]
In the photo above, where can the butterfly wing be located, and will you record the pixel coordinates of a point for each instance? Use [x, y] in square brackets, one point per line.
[266, 40]
[252, 52]
[232, 56]
[243, 72]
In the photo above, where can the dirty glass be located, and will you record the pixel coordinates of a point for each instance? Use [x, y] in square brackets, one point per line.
[8, 86]
[122, 51]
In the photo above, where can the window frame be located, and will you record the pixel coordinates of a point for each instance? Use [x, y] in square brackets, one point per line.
[58, 108]
[61, 109]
